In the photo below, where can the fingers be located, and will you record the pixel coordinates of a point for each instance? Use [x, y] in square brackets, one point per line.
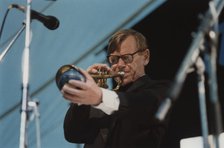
[77, 84]
[113, 67]
[73, 98]
[86, 74]
[80, 92]
[96, 67]
[73, 87]
[73, 91]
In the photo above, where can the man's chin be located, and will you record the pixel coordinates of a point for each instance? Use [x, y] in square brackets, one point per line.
[125, 82]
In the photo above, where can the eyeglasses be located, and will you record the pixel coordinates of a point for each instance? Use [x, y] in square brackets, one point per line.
[127, 58]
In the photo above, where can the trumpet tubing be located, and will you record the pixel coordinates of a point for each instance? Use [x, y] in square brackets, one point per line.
[106, 76]
[101, 78]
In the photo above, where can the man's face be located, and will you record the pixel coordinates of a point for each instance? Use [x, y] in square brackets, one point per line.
[134, 69]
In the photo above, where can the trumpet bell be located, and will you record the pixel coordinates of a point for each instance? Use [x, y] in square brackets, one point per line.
[66, 73]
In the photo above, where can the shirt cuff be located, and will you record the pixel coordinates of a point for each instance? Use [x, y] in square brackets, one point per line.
[110, 101]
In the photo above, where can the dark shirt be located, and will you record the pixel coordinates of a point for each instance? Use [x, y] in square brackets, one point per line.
[133, 125]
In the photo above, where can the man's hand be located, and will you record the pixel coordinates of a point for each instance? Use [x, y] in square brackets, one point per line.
[94, 69]
[79, 92]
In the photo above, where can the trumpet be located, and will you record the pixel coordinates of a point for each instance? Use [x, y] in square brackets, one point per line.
[101, 78]
[100, 75]
[67, 72]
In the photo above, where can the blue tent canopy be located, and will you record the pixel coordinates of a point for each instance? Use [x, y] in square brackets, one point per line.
[85, 27]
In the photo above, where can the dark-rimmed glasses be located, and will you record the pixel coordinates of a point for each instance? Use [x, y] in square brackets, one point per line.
[127, 58]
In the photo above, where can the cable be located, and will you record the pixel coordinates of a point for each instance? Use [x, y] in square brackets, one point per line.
[3, 22]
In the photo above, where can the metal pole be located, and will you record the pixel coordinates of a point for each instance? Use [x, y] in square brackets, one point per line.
[5, 51]
[25, 80]
[200, 69]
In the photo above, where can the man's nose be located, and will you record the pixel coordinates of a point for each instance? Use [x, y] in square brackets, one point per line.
[120, 62]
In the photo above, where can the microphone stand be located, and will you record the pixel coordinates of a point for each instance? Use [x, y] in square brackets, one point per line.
[24, 92]
[209, 21]
[18, 33]
[25, 80]
[28, 106]
[33, 107]
[210, 59]
[200, 69]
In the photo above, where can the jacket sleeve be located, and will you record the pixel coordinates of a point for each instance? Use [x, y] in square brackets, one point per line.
[144, 98]
[78, 126]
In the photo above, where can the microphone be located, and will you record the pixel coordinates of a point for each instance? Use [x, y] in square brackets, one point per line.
[50, 22]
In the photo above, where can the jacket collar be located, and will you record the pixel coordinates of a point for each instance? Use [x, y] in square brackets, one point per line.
[135, 85]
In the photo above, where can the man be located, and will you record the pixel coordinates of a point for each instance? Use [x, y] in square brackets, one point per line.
[102, 118]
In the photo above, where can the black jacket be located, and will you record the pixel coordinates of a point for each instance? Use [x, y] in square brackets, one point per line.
[133, 125]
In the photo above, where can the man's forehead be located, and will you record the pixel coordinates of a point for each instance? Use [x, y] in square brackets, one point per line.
[129, 44]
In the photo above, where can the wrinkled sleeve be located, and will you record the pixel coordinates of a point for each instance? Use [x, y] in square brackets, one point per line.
[147, 98]
[78, 127]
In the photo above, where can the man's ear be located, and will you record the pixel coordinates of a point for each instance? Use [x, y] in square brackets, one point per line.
[146, 57]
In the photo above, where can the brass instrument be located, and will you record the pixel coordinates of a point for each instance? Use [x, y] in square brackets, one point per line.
[101, 78]
[67, 72]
